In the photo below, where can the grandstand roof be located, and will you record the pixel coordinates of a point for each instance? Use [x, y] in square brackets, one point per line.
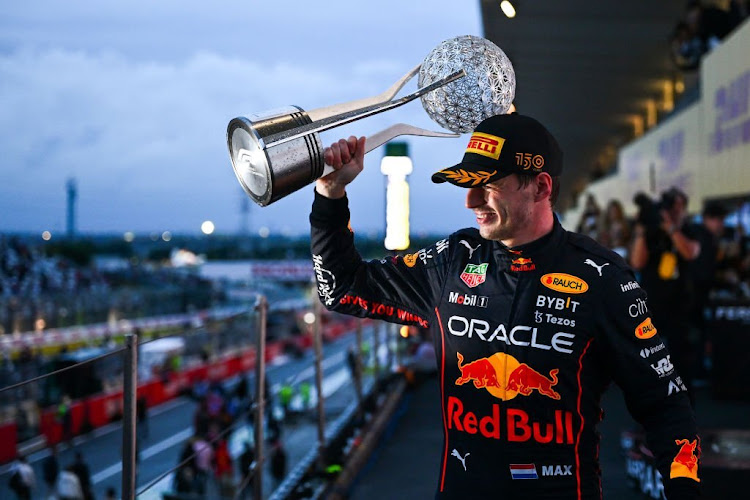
[586, 69]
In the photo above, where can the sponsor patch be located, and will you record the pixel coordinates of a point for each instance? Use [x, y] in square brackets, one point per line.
[675, 386]
[474, 274]
[522, 264]
[685, 463]
[519, 335]
[639, 308]
[630, 285]
[596, 266]
[648, 351]
[411, 259]
[557, 303]
[663, 367]
[326, 280]
[566, 283]
[645, 330]
[464, 299]
[485, 145]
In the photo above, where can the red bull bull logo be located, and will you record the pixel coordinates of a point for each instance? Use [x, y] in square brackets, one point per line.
[490, 374]
[518, 426]
[522, 264]
[685, 463]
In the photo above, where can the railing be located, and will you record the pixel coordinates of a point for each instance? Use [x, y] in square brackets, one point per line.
[333, 446]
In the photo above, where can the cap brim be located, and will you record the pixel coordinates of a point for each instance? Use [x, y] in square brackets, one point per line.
[468, 175]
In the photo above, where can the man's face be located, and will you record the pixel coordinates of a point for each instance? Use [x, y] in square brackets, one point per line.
[503, 209]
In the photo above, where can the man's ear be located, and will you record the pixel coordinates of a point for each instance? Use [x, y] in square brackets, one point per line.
[543, 183]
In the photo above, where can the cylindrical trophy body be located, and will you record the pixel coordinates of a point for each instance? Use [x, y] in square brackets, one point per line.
[270, 173]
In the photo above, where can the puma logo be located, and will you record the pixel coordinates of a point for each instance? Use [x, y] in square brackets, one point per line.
[456, 454]
[471, 250]
[594, 265]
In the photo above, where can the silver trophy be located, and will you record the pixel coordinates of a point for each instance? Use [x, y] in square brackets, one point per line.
[461, 82]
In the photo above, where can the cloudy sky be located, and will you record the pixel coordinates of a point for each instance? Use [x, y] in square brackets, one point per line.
[132, 100]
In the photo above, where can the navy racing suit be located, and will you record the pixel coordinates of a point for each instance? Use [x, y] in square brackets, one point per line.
[526, 339]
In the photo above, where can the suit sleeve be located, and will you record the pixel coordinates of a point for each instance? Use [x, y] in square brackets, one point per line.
[654, 392]
[396, 289]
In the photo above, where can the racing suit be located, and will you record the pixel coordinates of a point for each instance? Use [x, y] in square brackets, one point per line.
[526, 339]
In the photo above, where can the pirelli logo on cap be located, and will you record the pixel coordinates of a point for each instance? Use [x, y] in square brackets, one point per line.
[485, 145]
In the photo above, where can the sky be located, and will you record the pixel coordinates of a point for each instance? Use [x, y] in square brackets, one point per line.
[132, 99]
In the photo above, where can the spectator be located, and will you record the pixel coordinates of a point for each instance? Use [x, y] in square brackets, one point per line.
[22, 480]
[246, 462]
[68, 485]
[187, 484]
[81, 469]
[614, 229]
[589, 218]
[204, 458]
[278, 462]
[50, 469]
[224, 470]
[710, 24]
[663, 245]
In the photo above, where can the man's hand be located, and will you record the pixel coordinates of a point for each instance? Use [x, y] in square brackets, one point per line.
[347, 158]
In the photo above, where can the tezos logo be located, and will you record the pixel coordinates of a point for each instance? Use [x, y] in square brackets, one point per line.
[567, 283]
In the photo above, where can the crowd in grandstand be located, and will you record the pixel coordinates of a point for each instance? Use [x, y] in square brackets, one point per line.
[703, 26]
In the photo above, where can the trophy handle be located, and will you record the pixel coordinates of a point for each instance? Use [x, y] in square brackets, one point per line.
[379, 138]
[356, 114]
[345, 107]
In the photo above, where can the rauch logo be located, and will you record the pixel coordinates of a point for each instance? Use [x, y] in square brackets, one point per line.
[567, 283]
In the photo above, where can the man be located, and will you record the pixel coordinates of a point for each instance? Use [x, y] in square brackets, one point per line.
[662, 251]
[530, 324]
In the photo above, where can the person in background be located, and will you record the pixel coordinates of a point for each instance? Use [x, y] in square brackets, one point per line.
[589, 222]
[278, 461]
[614, 229]
[68, 486]
[22, 479]
[82, 470]
[50, 469]
[664, 243]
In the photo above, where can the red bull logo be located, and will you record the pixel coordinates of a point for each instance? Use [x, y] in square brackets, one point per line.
[567, 283]
[685, 463]
[519, 426]
[522, 264]
[481, 372]
[490, 374]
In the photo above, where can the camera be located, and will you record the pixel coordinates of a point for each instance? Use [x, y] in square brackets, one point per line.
[649, 210]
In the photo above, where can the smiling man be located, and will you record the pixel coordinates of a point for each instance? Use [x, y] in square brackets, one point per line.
[531, 323]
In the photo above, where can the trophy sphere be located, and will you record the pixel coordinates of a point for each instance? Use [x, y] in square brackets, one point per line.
[487, 89]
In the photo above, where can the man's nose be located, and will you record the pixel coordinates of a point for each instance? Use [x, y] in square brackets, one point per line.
[474, 197]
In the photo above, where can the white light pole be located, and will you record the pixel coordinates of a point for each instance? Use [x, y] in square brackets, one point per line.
[396, 165]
